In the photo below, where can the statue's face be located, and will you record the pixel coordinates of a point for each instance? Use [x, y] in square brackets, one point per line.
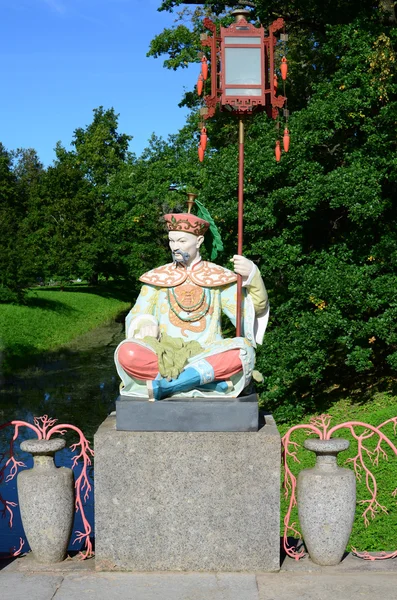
[184, 246]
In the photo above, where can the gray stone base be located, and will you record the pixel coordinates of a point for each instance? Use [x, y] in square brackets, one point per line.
[198, 501]
[188, 414]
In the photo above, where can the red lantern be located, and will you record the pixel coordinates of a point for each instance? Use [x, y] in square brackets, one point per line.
[275, 83]
[200, 85]
[284, 68]
[286, 140]
[201, 153]
[277, 151]
[203, 138]
[204, 67]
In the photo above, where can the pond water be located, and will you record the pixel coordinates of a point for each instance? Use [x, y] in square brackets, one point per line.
[77, 386]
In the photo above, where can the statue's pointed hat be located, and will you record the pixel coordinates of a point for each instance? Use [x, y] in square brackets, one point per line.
[189, 223]
[186, 222]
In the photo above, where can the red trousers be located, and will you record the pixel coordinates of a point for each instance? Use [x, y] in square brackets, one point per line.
[141, 363]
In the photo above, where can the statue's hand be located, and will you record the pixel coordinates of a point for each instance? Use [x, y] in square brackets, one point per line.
[242, 266]
[147, 330]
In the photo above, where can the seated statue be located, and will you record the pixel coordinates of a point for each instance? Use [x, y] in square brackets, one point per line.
[174, 344]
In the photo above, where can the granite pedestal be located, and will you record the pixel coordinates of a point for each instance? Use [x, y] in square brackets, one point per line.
[188, 414]
[194, 501]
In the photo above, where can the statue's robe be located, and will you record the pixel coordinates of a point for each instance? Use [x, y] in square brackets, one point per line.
[208, 290]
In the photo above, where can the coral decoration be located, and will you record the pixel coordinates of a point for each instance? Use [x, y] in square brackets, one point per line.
[201, 153]
[275, 83]
[44, 428]
[286, 140]
[277, 151]
[204, 67]
[284, 68]
[203, 138]
[320, 426]
[200, 85]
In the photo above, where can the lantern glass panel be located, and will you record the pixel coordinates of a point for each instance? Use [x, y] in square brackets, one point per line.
[243, 92]
[243, 66]
[242, 40]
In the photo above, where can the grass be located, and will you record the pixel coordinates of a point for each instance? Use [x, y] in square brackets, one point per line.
[52, 318]
[381, 534]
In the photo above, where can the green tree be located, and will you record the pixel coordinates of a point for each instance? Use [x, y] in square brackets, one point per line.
[100, 151]
[20, 172]
[29, 173]
[63, 221]
[11, 284]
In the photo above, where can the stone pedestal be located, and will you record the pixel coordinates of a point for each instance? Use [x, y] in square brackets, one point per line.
[197, 501]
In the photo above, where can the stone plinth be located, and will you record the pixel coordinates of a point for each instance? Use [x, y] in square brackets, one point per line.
[188, 414]
[198, 501]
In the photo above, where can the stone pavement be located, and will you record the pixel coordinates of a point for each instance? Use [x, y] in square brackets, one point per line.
[75, 580]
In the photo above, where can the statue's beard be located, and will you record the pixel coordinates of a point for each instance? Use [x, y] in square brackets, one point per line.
[181, 257]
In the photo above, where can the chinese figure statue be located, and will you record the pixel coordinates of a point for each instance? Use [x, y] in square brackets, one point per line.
[174, 344]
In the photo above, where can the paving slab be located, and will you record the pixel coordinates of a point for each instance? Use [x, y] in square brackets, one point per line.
[334, 586]
[350, 563]
[17, 586]
[353, 579]
[27, 564]
[166, 586]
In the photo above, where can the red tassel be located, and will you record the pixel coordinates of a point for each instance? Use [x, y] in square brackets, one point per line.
[275, 83]
[201, 153]
[277, 151]
[286, 140]
[284, 68]
[200, 85]
[203, 138]
[204, 67]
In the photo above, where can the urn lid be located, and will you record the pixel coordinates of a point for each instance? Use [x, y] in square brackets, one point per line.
[43, 447]
[326, 446]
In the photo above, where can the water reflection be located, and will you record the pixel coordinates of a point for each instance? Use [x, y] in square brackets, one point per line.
[77, 386]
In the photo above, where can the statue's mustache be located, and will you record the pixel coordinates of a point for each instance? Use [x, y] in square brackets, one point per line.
[180, 256]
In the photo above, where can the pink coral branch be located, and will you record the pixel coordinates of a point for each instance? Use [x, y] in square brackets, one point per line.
[359, 466]
[44, 423]
[7, 509]
[323, 422]
[18, 424]
[372, 428]
[392, 420]
[17, 552]
[356, 466]
[14, 468]
[290, 484]
[82, 483]
[370, 482]
[45, 427]
[320, 426]
[8, 506]
[367, 556]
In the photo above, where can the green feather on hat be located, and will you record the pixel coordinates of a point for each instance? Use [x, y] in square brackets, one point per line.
[212, 240]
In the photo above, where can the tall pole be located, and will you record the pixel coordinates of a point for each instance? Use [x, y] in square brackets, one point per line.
[240, 219]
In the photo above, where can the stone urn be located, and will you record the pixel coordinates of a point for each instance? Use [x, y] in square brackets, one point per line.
[326, 497]
[46, 500]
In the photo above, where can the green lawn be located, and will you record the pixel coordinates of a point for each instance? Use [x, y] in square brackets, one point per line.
[381, 534]
[53, 318]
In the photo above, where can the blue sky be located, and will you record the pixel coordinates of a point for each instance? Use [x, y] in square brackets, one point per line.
[60, 59]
